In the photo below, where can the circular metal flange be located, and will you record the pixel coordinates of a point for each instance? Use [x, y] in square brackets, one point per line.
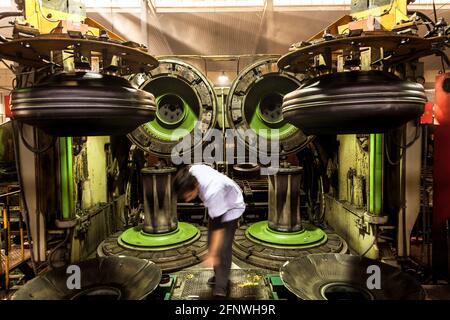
[104, 278]
[83, 104]
[38, 51]
[254, 108]
[171, 110]
[169, 258]
[273, 257]
[246, 171]
[136, 237]
[331, 276]
[397, 48]
[354, 102]
[186, 108]
[158, 171]
[308, 237]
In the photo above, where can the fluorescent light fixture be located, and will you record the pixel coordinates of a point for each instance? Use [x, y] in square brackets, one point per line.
[206, 3]
[6, 3]
[285, 3]
[311, 2]
[430, 2]
[113, 3]
[223, 78]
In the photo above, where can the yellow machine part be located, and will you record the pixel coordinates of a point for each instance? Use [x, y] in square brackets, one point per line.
[46, 19]
[390, 16]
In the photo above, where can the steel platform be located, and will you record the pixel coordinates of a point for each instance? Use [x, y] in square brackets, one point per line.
[245, 284]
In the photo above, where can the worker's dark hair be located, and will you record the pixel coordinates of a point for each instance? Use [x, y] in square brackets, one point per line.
[184, 181]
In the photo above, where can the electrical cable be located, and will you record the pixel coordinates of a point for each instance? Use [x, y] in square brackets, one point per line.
[402, 147]
[445, 4]
[416, 136]
[59, 245]
[434, 11]
[8, 66]
[318, 218]
[4, 15]
[388, 157]
[443, 56]
[427, 21]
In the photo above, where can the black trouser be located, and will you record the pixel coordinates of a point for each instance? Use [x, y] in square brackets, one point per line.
[222, 270]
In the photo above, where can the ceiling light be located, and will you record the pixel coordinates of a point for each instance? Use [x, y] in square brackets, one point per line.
[223, 78]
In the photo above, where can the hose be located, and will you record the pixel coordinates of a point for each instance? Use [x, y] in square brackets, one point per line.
[59, 245]
[430, 23]
[4, 15]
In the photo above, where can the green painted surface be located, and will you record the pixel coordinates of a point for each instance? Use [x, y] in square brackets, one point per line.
[137, 237]
[269, 130]
[376, 174]
[275, 280]
[95, 187]
[66, 178]
[163, 131]
[309, 236]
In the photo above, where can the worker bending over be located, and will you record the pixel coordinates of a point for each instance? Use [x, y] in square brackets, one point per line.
[225, 203]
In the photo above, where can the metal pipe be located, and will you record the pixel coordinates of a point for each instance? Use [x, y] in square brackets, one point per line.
[376, 174]
[5, 231]
[284, 200]
[224, 145]
[219, 57]
[404, 248]
[66, 179]
[22, 240]
[160, 205]
[9, 193]
[4, 15]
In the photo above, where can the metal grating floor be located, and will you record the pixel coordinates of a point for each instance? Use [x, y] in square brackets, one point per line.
[245, 284]
[15, 258]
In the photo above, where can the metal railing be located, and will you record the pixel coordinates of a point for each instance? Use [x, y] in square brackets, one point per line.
[6, 234]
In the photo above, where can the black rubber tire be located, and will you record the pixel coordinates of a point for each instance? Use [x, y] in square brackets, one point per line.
[354, 102]
[308, 276]
[134, 278]
[83, 104]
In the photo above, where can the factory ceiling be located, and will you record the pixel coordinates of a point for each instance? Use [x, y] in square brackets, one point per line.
[237, 31]
[262, 29]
